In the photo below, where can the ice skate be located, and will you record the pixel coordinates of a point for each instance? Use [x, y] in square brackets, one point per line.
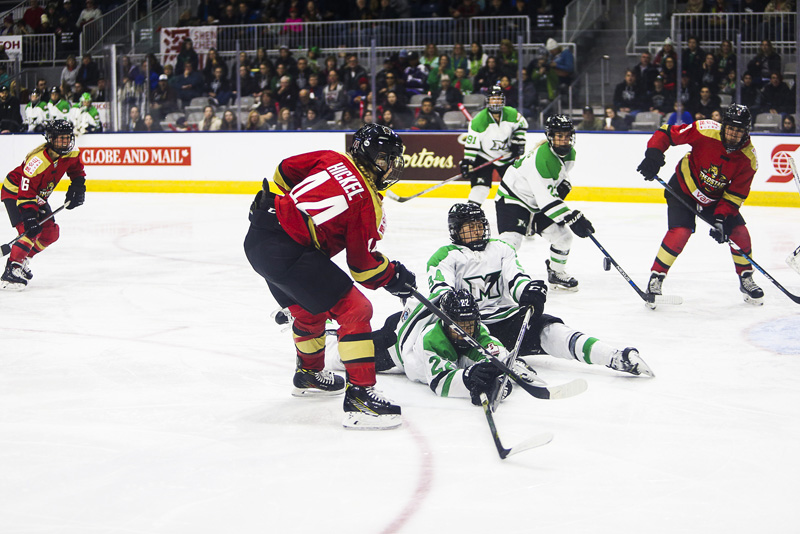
[629, 361]
[560, 279]
[365, 408]
[13, 278]
[750, 291]
[317, 383]
[26, 271]
[654, 287]
[526, 372]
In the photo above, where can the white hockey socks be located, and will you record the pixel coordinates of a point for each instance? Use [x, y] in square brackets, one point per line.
[478, 194]
[561, 341]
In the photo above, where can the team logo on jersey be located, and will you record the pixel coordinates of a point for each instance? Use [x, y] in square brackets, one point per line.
[712, 179]
[780, 162]
[493, 349]
[499, 144]
[34, 163]
[484, 286]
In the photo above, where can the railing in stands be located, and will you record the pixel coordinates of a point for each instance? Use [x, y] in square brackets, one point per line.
[112, 27]
[580, 16]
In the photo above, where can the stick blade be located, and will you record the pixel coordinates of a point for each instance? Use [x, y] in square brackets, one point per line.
[6, 250]
[674, 300]
[531, 443]
[792, 261]
[569, 389]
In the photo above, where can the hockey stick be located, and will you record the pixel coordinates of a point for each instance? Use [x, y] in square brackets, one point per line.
[394, 196]
[795, 298]
[793, 260]
[536, 441]
[511, 357]
[570, 389]
[6, 249]
[794, 173]
[647, 297]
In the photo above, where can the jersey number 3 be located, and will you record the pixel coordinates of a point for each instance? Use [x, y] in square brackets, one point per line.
[322, 210]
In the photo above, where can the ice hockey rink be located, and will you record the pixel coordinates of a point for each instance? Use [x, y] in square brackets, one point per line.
[145, 389]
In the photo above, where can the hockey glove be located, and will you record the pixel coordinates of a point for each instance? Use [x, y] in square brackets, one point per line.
[479, 378]
[579, 224]
[387, 335]
[398, 285]
[466, 168]
[76, 195]
[721, 231]
[535, 295]
[563, 189]
[517, 150]
[32, 226]
[651, 164]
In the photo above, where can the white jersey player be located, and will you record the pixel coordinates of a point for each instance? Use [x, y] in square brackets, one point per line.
[531, 199]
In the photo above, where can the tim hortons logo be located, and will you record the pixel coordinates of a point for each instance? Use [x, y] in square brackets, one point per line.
[176, 155]
[780, 162]
[428, 160]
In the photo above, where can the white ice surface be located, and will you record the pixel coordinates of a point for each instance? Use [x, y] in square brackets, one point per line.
[144, 389]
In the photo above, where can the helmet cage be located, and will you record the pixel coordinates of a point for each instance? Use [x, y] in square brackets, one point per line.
[496, 100]
[555, 124]
[460, 306]
[462, 214]
[737, 116]
[58, 128]
[381, 151]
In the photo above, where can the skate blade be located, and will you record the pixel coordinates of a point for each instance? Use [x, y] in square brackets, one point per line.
[314, 392]
[362, 421]
[755, 302]
[12, 286]
[562, 288]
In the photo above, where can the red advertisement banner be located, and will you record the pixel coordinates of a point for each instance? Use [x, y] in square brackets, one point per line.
[174, 155]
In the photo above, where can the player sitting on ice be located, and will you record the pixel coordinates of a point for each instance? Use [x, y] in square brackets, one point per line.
[531, 198]
[489, 270]
[25, 193]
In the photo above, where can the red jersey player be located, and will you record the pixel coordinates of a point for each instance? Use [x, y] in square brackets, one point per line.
[329, 202]
[25, 193]
[716, 175]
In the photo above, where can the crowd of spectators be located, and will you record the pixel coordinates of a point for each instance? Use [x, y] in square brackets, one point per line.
[707, 82]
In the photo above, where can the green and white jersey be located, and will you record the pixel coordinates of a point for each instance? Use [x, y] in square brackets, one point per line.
[84, 119]
[59, 110]
[489, 139]
[35, 115]
[426, 355]
[532, 181]
[493, 276]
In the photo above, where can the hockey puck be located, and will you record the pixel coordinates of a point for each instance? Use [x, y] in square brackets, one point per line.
[606, 264]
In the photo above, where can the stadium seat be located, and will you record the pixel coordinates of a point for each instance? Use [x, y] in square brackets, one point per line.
[416, 100]
[767, 122]
[474, 102]
[454, 120]
[646, 121]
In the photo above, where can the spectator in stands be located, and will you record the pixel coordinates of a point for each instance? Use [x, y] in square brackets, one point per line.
[229, 122]
[285, 120]
[46, 27]
[265, 77]
[334, 93]
[228, 15]
[692, 58]
[487, 76]
[305, 102]
[645, 72]
[433, 121]
[8, 25]
[348, 121]
[169, 70]
[255, 122]
[788, 125]
[694, 6]
[529, 97]
[186, 55]
[462, 82]
[329, 65]
[286, 59]
[32, 17]
[72, 11]
[5, 79]
[244, 16]
[509, 91]
[719, 9]
[147, 77]
[709, 74]
[776, 97]
[135, 122]
[303, 73]
[667, 50]
[704, 104]
[311, 13]
[317, 89]
[267, 107]
[442, 68]
[401, 112]
[779, 17]
[286, 95]
[476, 58]
[458, 58]
[750, 23]
[311, 121]
[351, 73]
[496, 8]
[247, 84]
[189, 84]
[507, 58]
[88, 72]
[208, 12]
[669, 74]
[446, 97]
[152, 125]
[89, 14]
[659, 99]
[415, 76]
[685, 116]
[750, 94]
[218, 89]
[70, 72]
[727, 86]
[430, 58]
[390, 85]
[10, 116]
[281, 70]
[128, 69]
[388, 119]
[360, 96]
[163, 99]
[725, 58]
[77, 92]
[613, 122]
[214, 60]
[561, 61]
[688, 92]
[590, 123]
[764, 64]
[628, 96]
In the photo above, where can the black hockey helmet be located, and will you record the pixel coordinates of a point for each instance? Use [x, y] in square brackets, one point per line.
[381, 150]
[460, 306]
[458, 216]
[559, 123]
[56, 128]
[495, 99]
[55, 89]
[737, 116]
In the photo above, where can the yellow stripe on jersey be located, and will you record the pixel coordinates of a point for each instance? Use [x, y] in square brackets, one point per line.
[738, 259]
[279, 180]
[309, 346]
[10, 187]
[733, 198]
[373, 193]
[665, 257]
[370, 274]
